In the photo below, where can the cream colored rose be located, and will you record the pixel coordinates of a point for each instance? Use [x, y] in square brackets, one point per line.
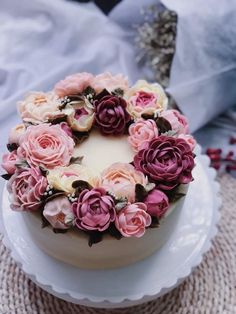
[16, 133]
[145, 98]
[82, 116]
[38, 107]
[61, 178]
[109, 82]
[121, 178]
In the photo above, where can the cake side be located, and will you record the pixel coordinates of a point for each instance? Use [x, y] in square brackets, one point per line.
[72, 247]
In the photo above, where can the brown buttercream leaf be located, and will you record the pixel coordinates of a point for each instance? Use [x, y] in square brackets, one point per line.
[140, 193]
[6, 176]
[12, 146]
[80, 185]
[94, 237]
[147, 116]
[163, 125]
[76, 160]
[155, 223]
[114, 232]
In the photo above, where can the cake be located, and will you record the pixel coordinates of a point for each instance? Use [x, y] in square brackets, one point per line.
[99, 169]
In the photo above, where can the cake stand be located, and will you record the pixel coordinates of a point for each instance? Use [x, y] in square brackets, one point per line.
[134, 284]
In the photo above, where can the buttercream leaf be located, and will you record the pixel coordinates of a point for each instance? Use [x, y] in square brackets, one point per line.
[6, 176]
[94, 237]
[140, 192]
[12, 146]
[76, 160]
[163, 125]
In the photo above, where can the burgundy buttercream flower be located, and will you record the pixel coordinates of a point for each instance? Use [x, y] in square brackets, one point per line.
[94, 210]
[26, 188]
[157, 203]
[111, 115]
[167, 161]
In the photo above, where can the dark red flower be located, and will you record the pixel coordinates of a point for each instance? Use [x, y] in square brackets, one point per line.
[167, 161]
[111, 115]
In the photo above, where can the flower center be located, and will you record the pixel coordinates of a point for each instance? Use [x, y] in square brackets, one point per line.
[61, 217]
[80, 112]
[39, 100]
[144, 99]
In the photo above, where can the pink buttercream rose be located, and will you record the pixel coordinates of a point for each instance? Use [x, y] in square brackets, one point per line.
[189, 139]
[9, 162]
[178, 122]
[46, 145]
[39, 107]
[73, 84]
[56, 211]
[109, 82]
[15, 133]
[141, 132]
[26, 188]
[120, 179]
[132, 220]
[94, 210]
[157, 203]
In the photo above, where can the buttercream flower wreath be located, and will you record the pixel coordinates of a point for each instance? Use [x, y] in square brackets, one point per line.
[126, 198]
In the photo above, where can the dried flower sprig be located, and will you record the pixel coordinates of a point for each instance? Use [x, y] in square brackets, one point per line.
[156, 41]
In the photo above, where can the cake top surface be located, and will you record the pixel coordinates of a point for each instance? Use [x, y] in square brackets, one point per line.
[98, 155]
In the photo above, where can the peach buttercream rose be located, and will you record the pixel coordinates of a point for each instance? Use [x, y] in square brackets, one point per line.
[120, 179]
[73, 84]
[145, 98]
[46, 145]
[38, 107]
[15, 133]
[56, 211]
[61, 178]
[82, 116]
[189, 139]
[132, 220]
[141, 133]
[110, 82]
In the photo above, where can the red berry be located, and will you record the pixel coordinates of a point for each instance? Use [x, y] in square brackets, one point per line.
[229, 156]
[216, 164]
[232, 140]
[214, 157]
[211, 151]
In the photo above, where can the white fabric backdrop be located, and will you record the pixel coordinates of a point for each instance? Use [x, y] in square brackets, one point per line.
[42, 41]
[203, 73]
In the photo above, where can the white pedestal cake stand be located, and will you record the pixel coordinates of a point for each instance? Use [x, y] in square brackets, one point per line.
[136, 283]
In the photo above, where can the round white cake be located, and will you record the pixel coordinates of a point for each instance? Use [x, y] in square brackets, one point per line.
[99, 169]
